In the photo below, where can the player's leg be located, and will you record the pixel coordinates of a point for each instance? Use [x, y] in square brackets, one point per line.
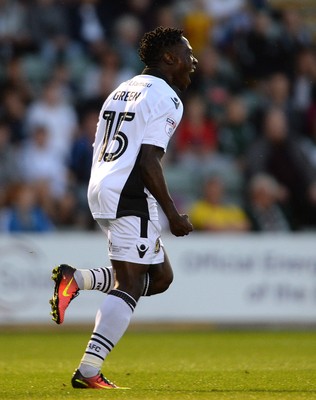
[69, 280]
[135, 244]
[156, 280]
[159, 276]
[101, 279]
[111, 322]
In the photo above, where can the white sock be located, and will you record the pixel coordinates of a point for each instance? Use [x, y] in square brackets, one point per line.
[101, 279]
[111, 322]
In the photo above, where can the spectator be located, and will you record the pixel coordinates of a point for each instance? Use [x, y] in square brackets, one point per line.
[278, 154]
[14, 109]
[103, 75]
[294, 37]
[8, 166]
[263, 209]
[46, 173]
[14, 35]
[308, 143]
[196, 135]
[128, 30]
[212, 213]
[58, 116]
[166, 16]
[224, 9]
[87, 23]
[259, 52]
[276, 94]
[80, 166]
[25, 214]
[196, 155]
[61, 75]
[16, 78]
[48, 27]
[304, 82]
[197, 25]
[216, 80]
[236, 133]
[230, 17]
[144, 11]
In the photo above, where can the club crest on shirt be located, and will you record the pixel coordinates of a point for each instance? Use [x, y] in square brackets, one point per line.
[170, 126]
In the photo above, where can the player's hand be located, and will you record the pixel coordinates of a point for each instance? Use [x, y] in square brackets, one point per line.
[180, 225]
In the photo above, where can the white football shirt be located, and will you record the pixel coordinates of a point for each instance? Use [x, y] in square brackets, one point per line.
[143, 110]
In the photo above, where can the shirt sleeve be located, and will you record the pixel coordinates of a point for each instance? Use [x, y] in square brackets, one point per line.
[164, 119]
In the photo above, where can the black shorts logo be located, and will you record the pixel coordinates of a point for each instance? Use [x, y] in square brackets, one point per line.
[142, 249]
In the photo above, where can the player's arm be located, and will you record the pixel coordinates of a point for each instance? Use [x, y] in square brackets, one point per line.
[152, 175]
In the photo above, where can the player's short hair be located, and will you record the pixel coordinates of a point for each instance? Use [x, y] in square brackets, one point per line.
[154, 43]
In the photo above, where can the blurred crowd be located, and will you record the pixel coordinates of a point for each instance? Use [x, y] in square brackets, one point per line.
[244, 156]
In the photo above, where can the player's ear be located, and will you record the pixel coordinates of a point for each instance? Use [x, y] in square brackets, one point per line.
[168, 58]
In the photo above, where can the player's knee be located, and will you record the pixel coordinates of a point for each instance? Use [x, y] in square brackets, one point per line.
[131, 284]
[130, 280]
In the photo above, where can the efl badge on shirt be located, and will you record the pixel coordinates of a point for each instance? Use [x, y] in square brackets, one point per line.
[170, 126]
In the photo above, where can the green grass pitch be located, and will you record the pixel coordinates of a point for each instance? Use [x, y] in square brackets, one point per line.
[163, 365]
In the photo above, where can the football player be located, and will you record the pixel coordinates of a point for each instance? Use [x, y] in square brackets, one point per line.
[135, 125]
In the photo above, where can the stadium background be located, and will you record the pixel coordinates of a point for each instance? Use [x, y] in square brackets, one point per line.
[59, 60]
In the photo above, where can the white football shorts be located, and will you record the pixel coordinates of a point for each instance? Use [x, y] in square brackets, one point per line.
[133, 239]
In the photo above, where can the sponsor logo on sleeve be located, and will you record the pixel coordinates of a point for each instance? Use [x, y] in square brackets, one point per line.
[176, 102]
